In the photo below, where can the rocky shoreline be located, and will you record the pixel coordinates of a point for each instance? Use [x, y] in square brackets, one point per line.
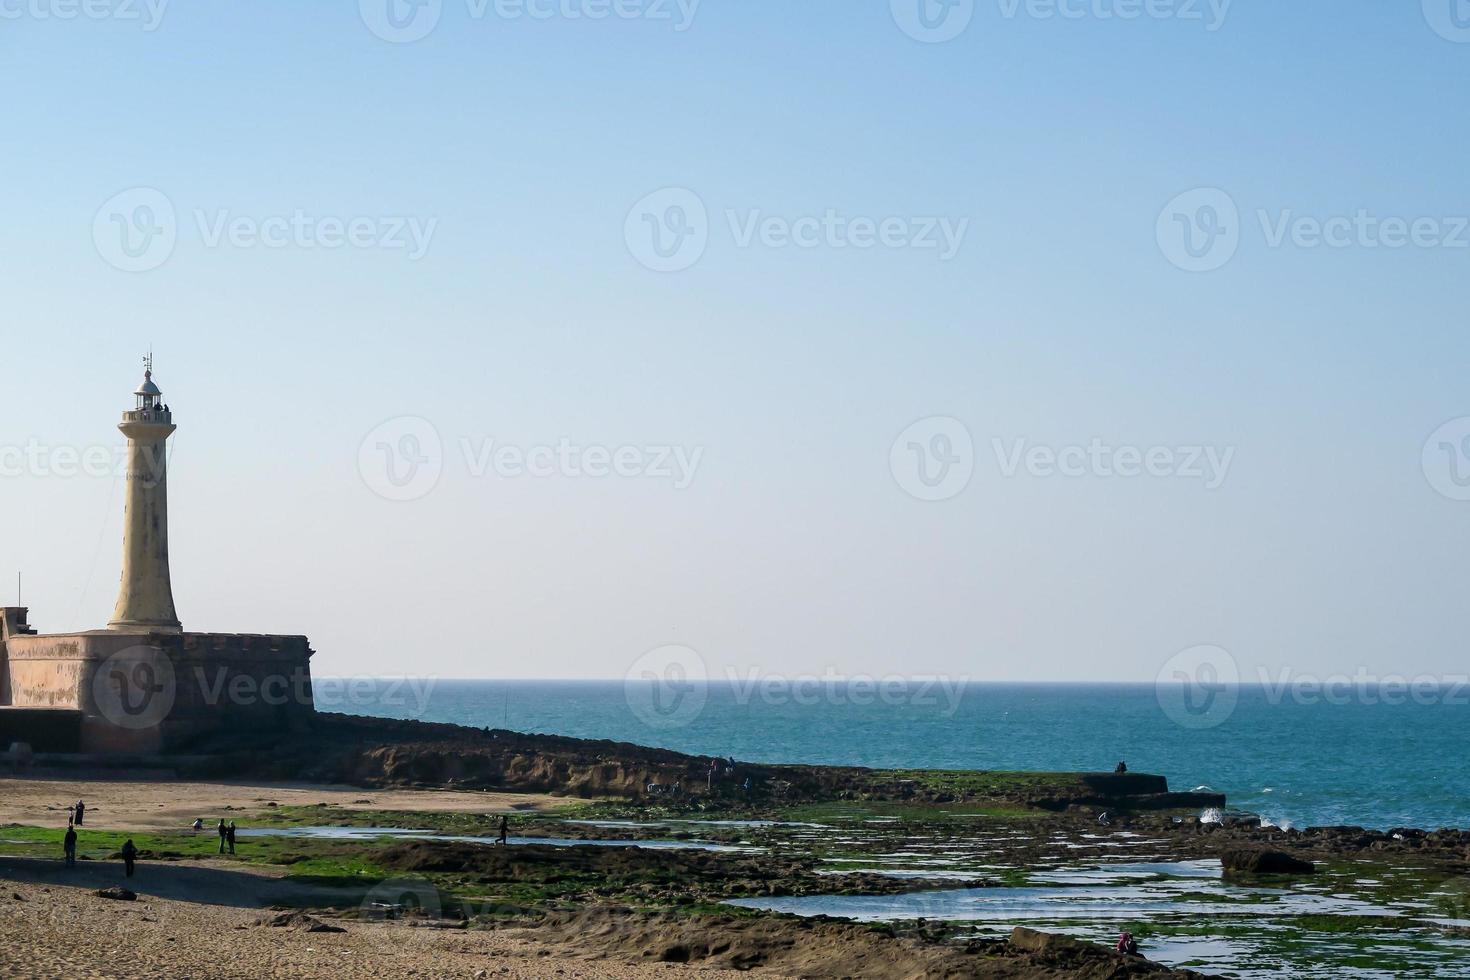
[636, 873]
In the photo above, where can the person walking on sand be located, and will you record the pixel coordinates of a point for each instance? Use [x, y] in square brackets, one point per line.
[129, 855]
[69, 846]
[230, 836]
[224, 832]
[81, 811]
[504, 831]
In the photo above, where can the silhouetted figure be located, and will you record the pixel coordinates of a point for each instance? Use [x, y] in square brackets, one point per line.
[69, 846]
[504, 830]
[224, 832]
[81, 811]
[230, 836]
[1127, 945]
[1121, 770]
[129, 855]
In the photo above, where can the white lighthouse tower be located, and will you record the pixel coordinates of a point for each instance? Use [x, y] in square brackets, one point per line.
[145, 599]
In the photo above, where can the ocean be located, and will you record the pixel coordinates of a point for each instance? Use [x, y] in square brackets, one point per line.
[1297, 761]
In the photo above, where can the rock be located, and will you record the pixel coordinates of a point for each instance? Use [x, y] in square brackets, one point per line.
[117, 894]
[296, 921]
[17, 896]
[1044, 942]
[1261, 861]
[677, 953]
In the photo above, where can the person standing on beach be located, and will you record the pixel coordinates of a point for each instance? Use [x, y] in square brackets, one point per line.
[69, 846]
[224, 832]
[230, 836]
[129, 855]
[81, 811]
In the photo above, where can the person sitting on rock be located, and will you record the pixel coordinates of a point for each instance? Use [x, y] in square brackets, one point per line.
[1127, 945]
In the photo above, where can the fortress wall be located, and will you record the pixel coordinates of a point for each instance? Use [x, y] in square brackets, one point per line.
[48, 671]
[12, 623]
[146, 692]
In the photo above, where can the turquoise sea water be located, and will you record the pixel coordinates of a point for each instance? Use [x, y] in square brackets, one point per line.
[1298, 761]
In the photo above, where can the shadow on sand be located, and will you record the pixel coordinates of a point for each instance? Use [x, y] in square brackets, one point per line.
[178, 882]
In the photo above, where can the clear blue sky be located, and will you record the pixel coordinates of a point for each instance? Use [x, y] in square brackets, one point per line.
[530, 319]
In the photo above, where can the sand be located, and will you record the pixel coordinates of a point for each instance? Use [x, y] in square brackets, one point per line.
[198, 919]
[68, 931]
[141, 805]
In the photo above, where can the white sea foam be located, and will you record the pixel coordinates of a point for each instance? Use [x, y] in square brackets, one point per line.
[1212, 815]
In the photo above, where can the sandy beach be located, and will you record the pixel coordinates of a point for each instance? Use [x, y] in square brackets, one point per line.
[139, 804]
[49, 931]
[200, 919]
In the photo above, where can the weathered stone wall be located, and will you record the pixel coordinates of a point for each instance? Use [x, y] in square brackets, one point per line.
[47, 671]
[12, 623]
[150, 691]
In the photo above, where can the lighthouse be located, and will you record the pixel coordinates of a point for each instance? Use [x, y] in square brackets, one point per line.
[145, 599]
[143, 685]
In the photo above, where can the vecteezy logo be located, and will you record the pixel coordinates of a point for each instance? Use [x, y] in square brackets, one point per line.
[402, 459]
[135, 688]
[1446, 459]
[1449, 18]
[667, 688]
[136, 230]
[1199, 231]
[1199, 688]
[401, 21]
[933, 459]
[933, 21]
[668, 230]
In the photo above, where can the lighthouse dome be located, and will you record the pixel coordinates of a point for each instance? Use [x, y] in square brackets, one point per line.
[148, 387]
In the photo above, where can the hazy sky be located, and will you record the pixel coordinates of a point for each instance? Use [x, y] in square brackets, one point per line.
[1018, 264]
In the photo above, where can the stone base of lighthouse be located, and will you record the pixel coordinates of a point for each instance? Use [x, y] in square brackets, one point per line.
[146, 691]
